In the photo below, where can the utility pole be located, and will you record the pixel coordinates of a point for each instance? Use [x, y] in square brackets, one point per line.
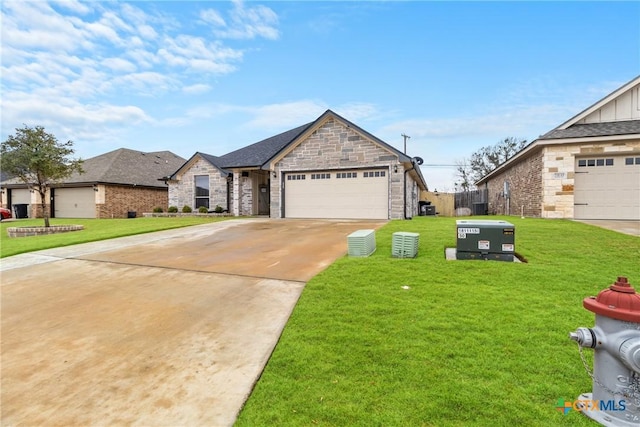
[405, 142]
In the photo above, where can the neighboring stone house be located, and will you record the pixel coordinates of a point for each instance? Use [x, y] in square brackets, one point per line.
[329, 168]
[118, 184]
[586, 168]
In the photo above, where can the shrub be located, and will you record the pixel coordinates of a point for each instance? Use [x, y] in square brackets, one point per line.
[203, 209]
[172, 209]
[158, 209]
[187, 209]
[218, 209]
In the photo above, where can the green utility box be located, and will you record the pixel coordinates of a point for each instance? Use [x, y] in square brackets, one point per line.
[491, 240]
[404, 244]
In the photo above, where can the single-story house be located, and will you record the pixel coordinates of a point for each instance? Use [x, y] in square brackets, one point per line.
[586, 168]
[329, 168]
[118, 184]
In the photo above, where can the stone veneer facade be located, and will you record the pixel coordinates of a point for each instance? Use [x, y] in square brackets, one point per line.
[182, 192]
[544, 182]
[559, 172]
[334, 146]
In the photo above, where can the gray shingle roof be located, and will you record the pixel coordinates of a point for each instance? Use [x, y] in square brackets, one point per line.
[595, 129]
[255, 155]
[129, 167]
[124, 166]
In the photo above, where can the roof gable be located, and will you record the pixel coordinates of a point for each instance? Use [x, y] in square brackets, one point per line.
[315, 125]
[213, 160]
[620, 105]
[614, 117]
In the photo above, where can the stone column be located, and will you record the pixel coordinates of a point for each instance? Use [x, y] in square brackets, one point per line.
[237, 193]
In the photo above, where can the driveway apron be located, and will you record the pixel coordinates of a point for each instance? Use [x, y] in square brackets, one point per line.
[170, 328]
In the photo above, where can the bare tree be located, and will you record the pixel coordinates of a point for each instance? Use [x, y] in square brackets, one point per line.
[464, 172]
[486, 159]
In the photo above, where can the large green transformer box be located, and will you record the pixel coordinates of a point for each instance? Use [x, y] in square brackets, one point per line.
[490, 240]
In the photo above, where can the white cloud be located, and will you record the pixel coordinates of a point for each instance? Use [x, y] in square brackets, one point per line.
[357, 111]
[68, 64]
[285, 115]
[73, 5]
[119, 64]
[212, 16]
[196, 54]
[86, 120]
[35, 25]
[147, 32]
[196, 89]
[515, 121]
[146, 83]
[247, 22]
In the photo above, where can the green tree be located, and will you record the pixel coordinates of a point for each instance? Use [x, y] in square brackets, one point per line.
[39, 160]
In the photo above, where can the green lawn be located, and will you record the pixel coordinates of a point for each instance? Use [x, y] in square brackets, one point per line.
[94, 230]
[471, 343]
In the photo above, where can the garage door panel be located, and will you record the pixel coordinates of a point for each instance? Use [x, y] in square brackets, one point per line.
[20, 196]
[74, 202]
[611, 191]
[352, 196]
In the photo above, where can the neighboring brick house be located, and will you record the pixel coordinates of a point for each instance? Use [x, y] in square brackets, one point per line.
[118, 184]
[586, 168]
[329, 168]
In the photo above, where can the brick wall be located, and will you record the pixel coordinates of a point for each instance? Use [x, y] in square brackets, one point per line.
[525, 187]
[334, 146]
[119, 200]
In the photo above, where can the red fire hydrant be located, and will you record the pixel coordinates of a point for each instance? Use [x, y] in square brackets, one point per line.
[615, 400]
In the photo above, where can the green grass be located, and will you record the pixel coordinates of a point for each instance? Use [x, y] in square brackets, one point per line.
[471, 343]
[94, 230]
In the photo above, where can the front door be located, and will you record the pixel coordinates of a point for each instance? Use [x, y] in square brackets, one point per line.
[263, 199]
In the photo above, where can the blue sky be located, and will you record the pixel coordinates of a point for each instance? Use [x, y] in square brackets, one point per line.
[215, 76]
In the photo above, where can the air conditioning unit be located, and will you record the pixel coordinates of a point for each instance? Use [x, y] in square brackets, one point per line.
[404, 244]
[490, 240]
[361, 243]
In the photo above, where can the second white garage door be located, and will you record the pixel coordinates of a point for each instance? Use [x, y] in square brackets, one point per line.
[607, 187]
[356, 194]
[74, 202]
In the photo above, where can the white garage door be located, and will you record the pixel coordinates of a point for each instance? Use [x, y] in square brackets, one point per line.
[361, 194]
[607, 187]
[19, 196]
[74, 202]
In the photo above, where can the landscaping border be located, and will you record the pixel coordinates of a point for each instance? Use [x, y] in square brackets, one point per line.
[42, 231]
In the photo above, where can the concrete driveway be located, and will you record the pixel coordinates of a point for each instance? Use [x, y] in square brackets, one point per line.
[169, 328]
[621, 226]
